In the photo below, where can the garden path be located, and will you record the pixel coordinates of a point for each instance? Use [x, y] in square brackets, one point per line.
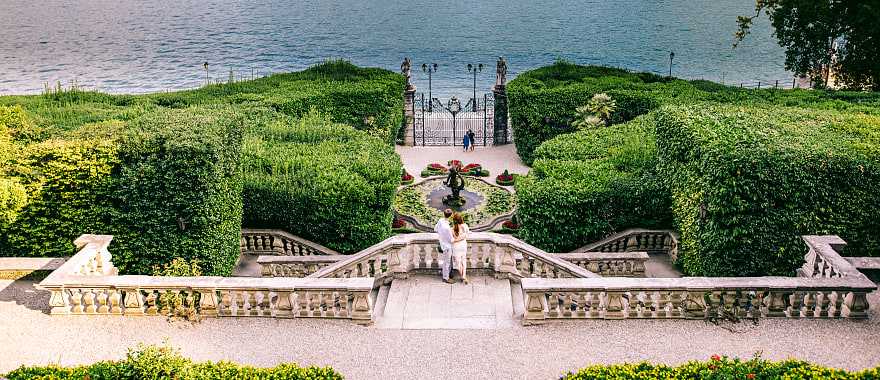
[29, 336]
[495, 159]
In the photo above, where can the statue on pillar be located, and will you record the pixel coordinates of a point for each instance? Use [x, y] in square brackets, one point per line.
[501, 73]
[406, 69]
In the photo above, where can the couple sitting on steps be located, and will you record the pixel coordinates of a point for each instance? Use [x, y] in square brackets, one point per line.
[453, 244]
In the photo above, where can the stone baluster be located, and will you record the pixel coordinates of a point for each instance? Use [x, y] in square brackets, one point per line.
[207, 302]
[810, 304]
[284, 305]
[505, 263]
[132, 301]
[796, 303]
[778, 303]
[695, 304]
[856, 304]
[824, 304]
[614, 308]
[102, 301]
[535, 307]
[362, 307]
[302, 299]
[58, 302]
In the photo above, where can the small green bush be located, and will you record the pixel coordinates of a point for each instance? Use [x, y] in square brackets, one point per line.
[150, 362]
[326, 182]
[720, 368]
[591, 183]
[747, 182]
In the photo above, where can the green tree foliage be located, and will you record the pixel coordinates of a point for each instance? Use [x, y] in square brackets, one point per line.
[839, 34]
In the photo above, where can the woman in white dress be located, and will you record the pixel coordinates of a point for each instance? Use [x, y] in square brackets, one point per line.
[460, 232]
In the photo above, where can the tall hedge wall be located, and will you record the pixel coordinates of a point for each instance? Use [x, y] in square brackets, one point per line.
[542, 101]
[323, 181]
[161, 171]
[587, 184]
[746, 182]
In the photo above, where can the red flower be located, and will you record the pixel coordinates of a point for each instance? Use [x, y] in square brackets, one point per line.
[436, 166]
[750, 376]
[716, 357]
[471, 166]
[406, 176]
[712, 367]
[398, 223]
[509, 224]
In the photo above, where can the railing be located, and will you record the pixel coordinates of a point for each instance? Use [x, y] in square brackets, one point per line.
[609, 264]
[295, 266]
[840, 296]
[822, 260]
[280, 243]
[501, 254]
[88, 284]
[649, 241]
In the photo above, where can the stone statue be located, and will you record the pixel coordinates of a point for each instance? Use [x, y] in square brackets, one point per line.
[406, 69]
[455, 182]
[501, 73]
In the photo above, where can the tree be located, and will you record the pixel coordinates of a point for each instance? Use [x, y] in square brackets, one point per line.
[818, 35]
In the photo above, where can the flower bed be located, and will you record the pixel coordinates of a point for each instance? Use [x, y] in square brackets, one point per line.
[406, 179]
[413, 202]
[720, 367]
[505, 179]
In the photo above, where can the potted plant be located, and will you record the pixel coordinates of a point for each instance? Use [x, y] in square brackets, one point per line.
[505, 179]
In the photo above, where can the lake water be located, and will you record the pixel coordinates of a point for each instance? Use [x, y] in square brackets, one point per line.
[133, 46]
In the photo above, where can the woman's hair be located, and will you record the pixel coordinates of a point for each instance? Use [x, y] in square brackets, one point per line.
[457, 221]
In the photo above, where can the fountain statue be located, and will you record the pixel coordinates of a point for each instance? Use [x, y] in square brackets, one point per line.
[454, 181]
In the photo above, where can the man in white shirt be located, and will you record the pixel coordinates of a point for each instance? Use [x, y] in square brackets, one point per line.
[444, 233]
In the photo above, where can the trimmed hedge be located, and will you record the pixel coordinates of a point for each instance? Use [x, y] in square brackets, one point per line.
[721, 368]
[164, 363]
[323, 181]
[161, 171]
[588, 184]
[166, 186]
[543, 100]
[746, 182]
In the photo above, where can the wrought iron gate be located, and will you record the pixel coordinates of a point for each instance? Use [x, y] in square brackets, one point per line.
[438, 123]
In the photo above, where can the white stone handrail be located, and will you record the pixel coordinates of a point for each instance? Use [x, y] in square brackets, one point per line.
[842, 296]
[505, 255]
[609, 264]
[822, 260]
[295, 266]
[88, 284]
[277, 242]
[637, 239]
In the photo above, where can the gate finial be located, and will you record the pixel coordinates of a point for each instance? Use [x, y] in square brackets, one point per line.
[406, 70]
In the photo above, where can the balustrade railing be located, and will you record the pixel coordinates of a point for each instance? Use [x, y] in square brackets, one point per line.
[642, 240]
[842, 295]
[503, 255]
[295, 266]
[280, 243]
[609, 264]
[88, 284]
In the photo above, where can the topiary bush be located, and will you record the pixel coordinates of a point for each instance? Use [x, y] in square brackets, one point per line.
[323, 181]
[151, 362]
[747, 182]
[591, 183]
[720, 367]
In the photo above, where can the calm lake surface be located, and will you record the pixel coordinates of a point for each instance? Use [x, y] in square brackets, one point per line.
[128, 46]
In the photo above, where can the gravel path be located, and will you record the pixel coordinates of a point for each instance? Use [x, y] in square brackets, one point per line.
[495, 159]
[29, 336]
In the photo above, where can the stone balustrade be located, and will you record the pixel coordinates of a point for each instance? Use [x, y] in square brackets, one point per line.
[295, 266]
[822, 260]
[88, 284]
[503, 255]
[609, 264]
[642, 240]
[843, 295]
[279, 243]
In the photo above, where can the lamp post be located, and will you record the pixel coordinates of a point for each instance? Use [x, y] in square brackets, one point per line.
[671, 56]
[475, 69]
[430, 69]
[207, 81]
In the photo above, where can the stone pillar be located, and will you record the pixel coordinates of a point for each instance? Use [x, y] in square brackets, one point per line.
[409, 114]
[500, 115]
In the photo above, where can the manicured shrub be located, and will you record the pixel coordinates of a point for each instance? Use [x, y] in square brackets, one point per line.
[150, 362]
[544, 101]
[326, 182]
[591, 183]
[746, 182]
[720, 367]
[178, 190]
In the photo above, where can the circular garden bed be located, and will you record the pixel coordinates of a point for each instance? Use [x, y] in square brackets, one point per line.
[485, 203]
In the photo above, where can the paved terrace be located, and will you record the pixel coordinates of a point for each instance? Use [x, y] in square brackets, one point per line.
[29, 336]
[495, 159]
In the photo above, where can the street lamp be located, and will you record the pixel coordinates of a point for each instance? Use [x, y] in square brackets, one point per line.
[430, 69]
[475, 70]
[671, 56]
[207, 81]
